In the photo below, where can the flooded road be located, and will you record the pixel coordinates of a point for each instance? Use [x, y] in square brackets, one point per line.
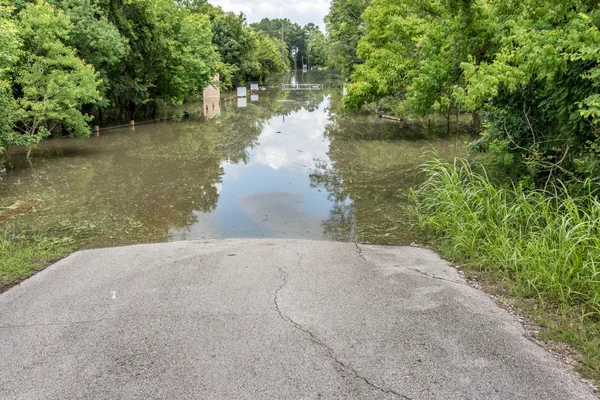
[279, 163]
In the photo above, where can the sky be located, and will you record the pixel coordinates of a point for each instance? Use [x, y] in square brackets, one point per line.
[299, 11]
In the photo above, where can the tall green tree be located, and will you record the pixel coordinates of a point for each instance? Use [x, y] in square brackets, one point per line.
[345, 26]
[10, 48]
[268, 55]
[296, 38]
[194, 60]
[163, 44]
[235, 44]
[97, 40]
[51, 82]
[249, 53]
[413, 51]
[317, 48]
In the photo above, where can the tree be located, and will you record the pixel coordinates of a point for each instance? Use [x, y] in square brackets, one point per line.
[539, 87]
[10, 47]
[317, 48]
[97, 40]
[345, 26]
[271, 27]
[194, 60]
[268, 55]
[413, 51]
[236, 44]
[52, 83]
[296, 37]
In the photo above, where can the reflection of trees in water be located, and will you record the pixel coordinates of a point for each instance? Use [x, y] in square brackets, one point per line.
[373, 165]
[340, 224]
[135, 186]
[127, 187]
[308, 100]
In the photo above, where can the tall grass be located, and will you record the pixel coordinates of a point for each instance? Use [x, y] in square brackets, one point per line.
[545, 243]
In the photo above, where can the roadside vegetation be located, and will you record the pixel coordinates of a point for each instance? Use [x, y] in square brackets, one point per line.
[524, 208]
[20, 257]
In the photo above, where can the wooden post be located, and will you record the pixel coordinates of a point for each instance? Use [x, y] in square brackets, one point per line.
[132, 125]
[402, 123]
[97, 130]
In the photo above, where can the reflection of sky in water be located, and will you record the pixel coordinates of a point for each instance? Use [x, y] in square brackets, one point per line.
[271, 194]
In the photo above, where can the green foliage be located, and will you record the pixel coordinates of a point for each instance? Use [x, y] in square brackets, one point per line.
[302, 44]
[52, 82]
[346, 26]
[248, 53]
[194, 60]
[235, 44]
[10, 47]
[547, 243]
[62, 61]
[529, 68]
[317, 49]
[169, 53]
[97, 40]
[413, 50]
[539, 86]
[268, 55]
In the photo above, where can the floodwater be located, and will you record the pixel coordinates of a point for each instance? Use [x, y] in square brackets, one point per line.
[278, 163]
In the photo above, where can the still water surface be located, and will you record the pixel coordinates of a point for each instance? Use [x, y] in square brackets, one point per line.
[279, 164]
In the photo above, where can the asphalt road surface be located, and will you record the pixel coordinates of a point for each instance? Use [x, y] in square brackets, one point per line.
[266, 319]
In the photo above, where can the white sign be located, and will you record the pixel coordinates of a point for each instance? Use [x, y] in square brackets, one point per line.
[242, 101]
[241, 91]
[254, 97]
[253, 86]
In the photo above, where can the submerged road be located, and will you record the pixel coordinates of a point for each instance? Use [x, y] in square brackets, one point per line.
[265, 319]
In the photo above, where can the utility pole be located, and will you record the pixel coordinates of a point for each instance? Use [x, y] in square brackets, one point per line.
[282, 45]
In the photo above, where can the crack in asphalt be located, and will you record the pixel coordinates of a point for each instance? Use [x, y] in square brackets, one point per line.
[359, 251]
[432, 276]
[318, 342]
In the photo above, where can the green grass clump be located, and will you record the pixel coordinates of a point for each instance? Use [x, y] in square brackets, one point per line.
[543, 244]
[20, 257]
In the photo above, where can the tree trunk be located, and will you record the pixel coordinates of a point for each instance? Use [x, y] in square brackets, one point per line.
[132, 109]
[476, 120]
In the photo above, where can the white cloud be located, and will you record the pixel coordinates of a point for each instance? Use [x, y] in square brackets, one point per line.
[301, 12]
